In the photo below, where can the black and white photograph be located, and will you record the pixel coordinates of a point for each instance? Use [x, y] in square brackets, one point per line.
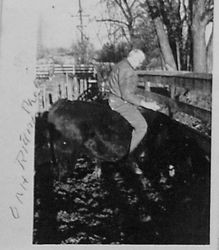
[109, 123]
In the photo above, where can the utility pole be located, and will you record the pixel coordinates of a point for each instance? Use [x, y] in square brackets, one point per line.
[82, 35]
[81, 21]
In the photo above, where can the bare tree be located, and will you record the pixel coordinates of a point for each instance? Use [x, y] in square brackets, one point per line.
[210, 53]
[202, 14]
[155, 11]
[123, 14]
[83, 52]
[180, 27]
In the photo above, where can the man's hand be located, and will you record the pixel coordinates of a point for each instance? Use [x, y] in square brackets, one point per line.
[149, 105]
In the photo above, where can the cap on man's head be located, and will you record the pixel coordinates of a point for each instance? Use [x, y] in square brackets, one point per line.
[137, 52]
[136, 57]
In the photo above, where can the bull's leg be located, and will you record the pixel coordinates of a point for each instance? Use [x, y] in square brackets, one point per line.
[135, 168]
[97, 170]
[137, 171]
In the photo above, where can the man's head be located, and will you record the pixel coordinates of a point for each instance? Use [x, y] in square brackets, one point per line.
[136, 58]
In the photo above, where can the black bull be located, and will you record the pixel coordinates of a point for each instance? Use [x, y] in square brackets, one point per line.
[95, 130]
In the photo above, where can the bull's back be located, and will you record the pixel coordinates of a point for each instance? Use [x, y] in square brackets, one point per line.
[103, 132]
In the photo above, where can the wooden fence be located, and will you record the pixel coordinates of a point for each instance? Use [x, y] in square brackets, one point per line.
[44, 71]
[185, 92]
[62, 81]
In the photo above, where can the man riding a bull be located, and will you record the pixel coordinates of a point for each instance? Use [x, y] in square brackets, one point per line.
[77, 125]
[122, 84]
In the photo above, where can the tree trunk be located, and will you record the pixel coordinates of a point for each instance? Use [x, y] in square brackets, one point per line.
[199, 48]
[199, 23]
[132, 36]
[188, 62]
[178, 55]
[210, 53]
[164, 44]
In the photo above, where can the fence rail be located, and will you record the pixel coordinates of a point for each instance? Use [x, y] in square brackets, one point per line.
[185, 92]
[45, 70]
[166, 88]
[179, 85]
[63, 81]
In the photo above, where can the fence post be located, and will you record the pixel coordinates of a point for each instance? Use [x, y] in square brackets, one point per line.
[40, 101]
[69, 88]
[44, 97]
[75, 88]
[63, 90]
[80, 86]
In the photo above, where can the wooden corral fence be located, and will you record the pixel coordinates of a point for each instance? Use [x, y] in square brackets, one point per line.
[185, 92]
[63, 81]
[179, 92]
[45, 71]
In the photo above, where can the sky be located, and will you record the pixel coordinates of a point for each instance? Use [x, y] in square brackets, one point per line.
[60, 19]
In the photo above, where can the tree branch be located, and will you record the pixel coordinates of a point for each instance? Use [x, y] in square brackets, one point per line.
[128, 9]
[119, 3]
[208, 16]
[124, 34]
[132, 4]
[112, 21]
[185, 11]
[140, 15]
